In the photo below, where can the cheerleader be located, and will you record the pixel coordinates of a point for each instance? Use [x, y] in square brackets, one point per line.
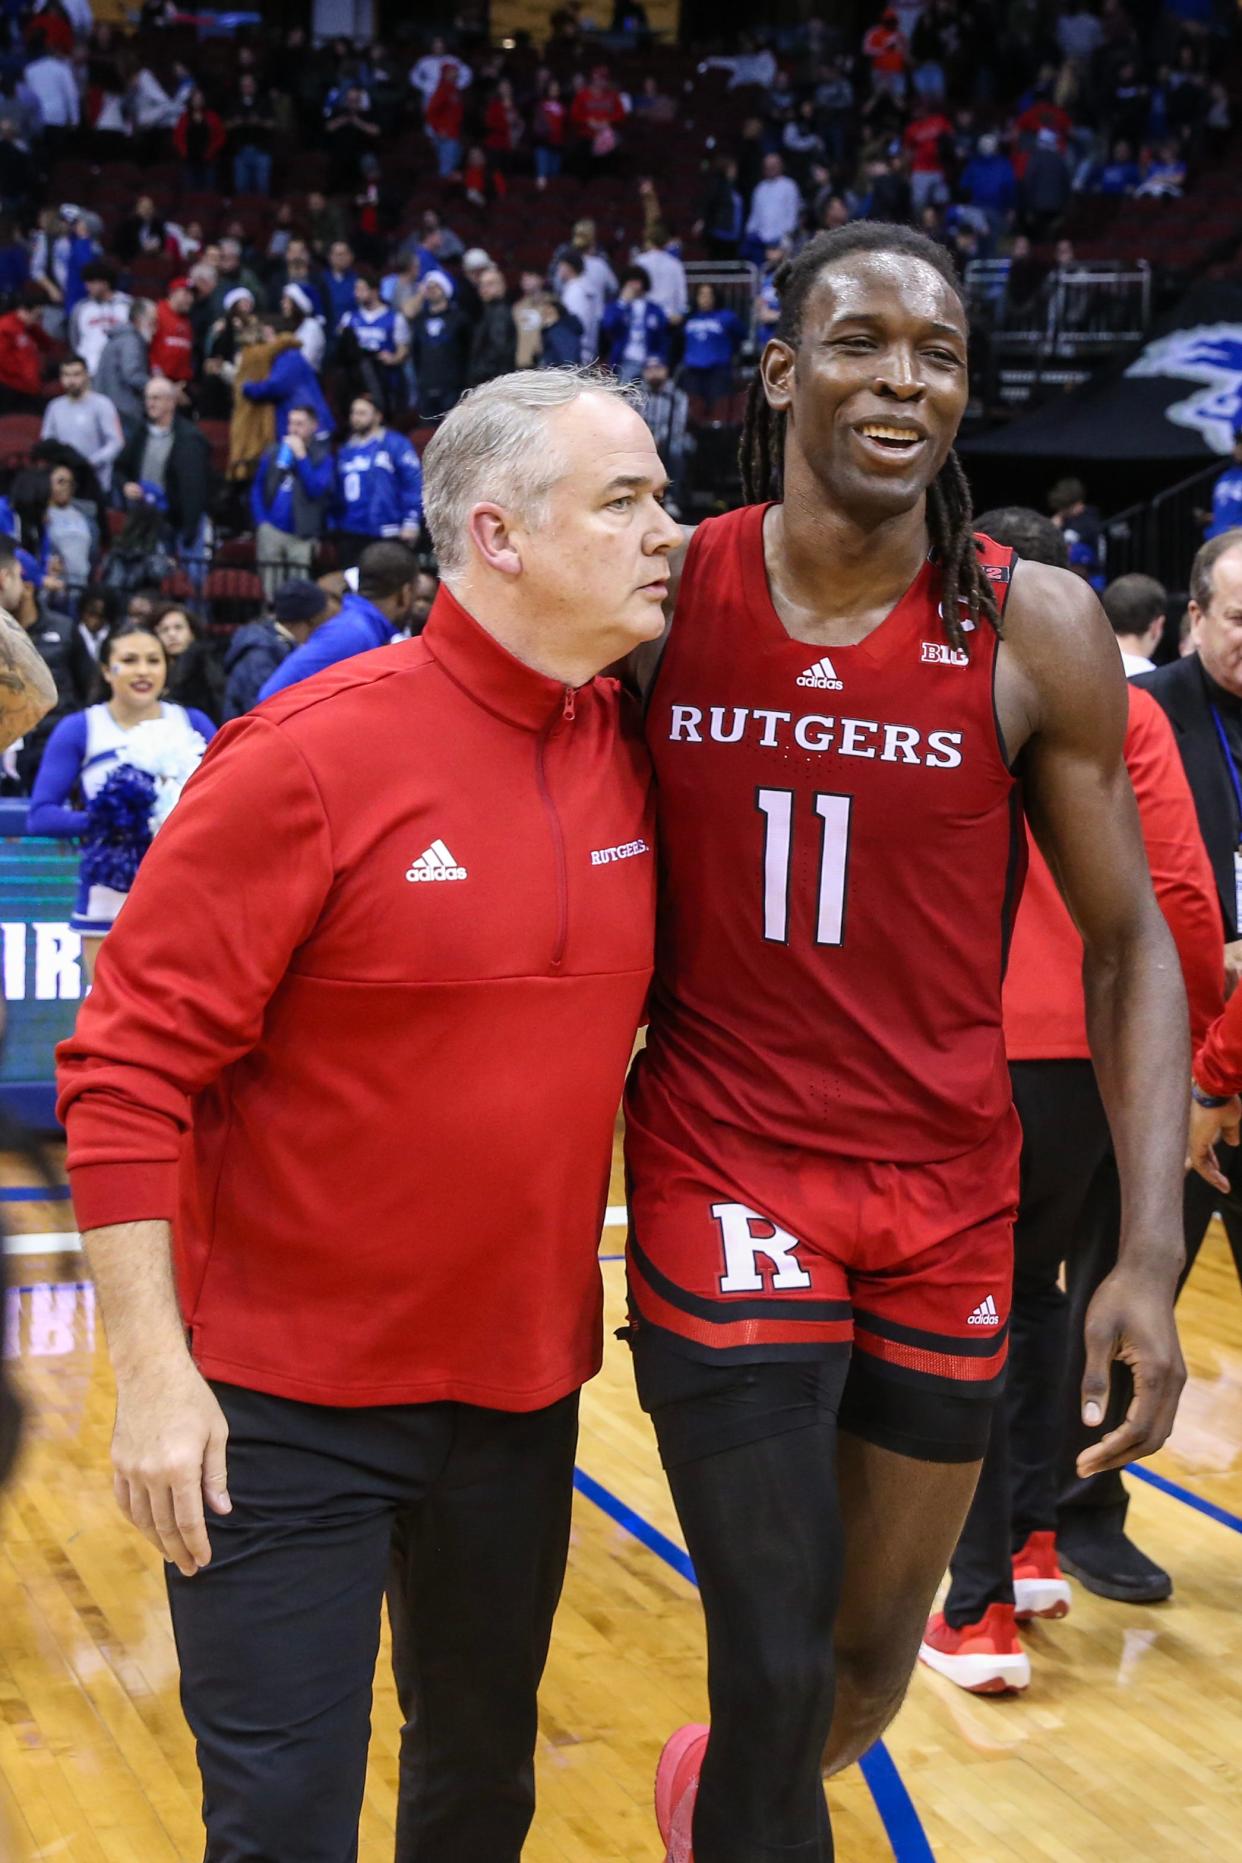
[87, 747]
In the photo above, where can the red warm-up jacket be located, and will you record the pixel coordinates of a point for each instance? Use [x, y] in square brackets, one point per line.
[361, 1028]
[1043, 1006]
[22, 349]
[172, 345]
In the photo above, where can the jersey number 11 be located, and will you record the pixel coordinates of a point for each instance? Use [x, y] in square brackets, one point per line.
[777, 808]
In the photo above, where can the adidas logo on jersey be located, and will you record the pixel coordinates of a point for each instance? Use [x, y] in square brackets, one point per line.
[942, 654]
[985, 1314]
[823, 676]
[436, 863]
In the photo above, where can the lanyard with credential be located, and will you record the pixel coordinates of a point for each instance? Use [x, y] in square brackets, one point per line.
[1232, 767]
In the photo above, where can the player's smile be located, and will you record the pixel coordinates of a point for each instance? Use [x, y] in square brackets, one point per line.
[890, 443]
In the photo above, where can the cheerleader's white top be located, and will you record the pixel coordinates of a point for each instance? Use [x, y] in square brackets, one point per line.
[83, 750]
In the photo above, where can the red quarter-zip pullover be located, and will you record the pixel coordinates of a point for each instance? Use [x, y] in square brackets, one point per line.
[1044, 1009]
[362, 1026]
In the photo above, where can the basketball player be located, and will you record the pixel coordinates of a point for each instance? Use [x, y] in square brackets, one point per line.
[855, 701]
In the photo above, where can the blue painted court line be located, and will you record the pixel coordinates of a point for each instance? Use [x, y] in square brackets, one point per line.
[892, 1801]
[610, 1258]
[895, 1806]
[1187, 1496]
[634, 1524]
[34, 1193]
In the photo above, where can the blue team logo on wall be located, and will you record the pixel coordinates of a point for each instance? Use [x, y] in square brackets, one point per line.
[1210, 353]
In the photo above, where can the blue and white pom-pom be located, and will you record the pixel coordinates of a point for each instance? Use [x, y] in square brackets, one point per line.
[168, 753]
[118, 828]
[138, 797]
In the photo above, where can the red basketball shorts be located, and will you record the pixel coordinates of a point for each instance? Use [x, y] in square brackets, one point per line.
[744, 1252]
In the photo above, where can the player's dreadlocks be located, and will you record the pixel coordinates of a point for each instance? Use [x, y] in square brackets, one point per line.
[949, 516]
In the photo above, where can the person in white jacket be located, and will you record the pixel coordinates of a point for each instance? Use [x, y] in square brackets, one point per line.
[94, 317]
[426, 74]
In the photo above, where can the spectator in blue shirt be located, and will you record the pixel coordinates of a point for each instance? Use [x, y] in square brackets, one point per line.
[373, 343]
[290, 383]
[713, 338]
[289, 499]
[381, 607]
[633, 329]
[1227, 494]
[1118, 176]
[988, 182]
[379, 483]
[338, 282]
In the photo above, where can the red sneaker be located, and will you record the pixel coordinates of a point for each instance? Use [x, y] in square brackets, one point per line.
[1040, 1587]
[985, 1658]
[676, 1788]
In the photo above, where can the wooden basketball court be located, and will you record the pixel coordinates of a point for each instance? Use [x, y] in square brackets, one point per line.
[1128, 1744]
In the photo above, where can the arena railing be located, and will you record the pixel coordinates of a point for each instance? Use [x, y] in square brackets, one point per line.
[736, 282]
[1084, 309]
[1160, 536]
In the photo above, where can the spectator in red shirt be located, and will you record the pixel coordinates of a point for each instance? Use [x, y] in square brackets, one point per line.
[338, 947]
[885, 46]
[549, 132]
[926, 139]
[595, 115]
[172, 346]
[23, 345]
[503, 128]
[1043, 113]
[198, 137]
[443, 119]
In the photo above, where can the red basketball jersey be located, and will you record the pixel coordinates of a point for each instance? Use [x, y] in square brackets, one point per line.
[843, 852]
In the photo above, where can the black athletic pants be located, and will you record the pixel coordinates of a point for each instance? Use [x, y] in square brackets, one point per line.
[1066, 1212]
[278, 1636]
[1096, 1507]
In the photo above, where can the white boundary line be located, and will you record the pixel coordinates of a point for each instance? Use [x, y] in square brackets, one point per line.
[44, 1242]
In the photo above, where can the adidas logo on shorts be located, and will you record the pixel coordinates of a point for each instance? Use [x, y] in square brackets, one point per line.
[823, 676]
[985, 1314]
[436, 863]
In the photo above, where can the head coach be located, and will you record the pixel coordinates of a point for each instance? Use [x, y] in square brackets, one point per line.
[340, 1111]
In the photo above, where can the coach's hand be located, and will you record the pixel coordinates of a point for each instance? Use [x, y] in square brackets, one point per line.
[168, 1456]
[1208, 1124]
[1131, 1319]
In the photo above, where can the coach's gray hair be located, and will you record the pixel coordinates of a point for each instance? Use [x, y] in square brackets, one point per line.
[494, 447]
[1206, 559]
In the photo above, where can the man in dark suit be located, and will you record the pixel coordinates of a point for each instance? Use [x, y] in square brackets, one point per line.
[1202, 698]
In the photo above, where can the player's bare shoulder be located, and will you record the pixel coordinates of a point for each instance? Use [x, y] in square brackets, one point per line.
[1058, 670]
[639, 668]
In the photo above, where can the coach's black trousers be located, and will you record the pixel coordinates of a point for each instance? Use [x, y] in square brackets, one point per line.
[463, 1513]
[1065, 1154]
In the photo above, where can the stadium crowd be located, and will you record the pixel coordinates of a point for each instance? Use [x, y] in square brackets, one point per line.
[244, 278]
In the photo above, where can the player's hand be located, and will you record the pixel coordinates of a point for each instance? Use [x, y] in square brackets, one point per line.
[168, 1455]
[1209, 1124]
[1233, 966]
[1131, 1319]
